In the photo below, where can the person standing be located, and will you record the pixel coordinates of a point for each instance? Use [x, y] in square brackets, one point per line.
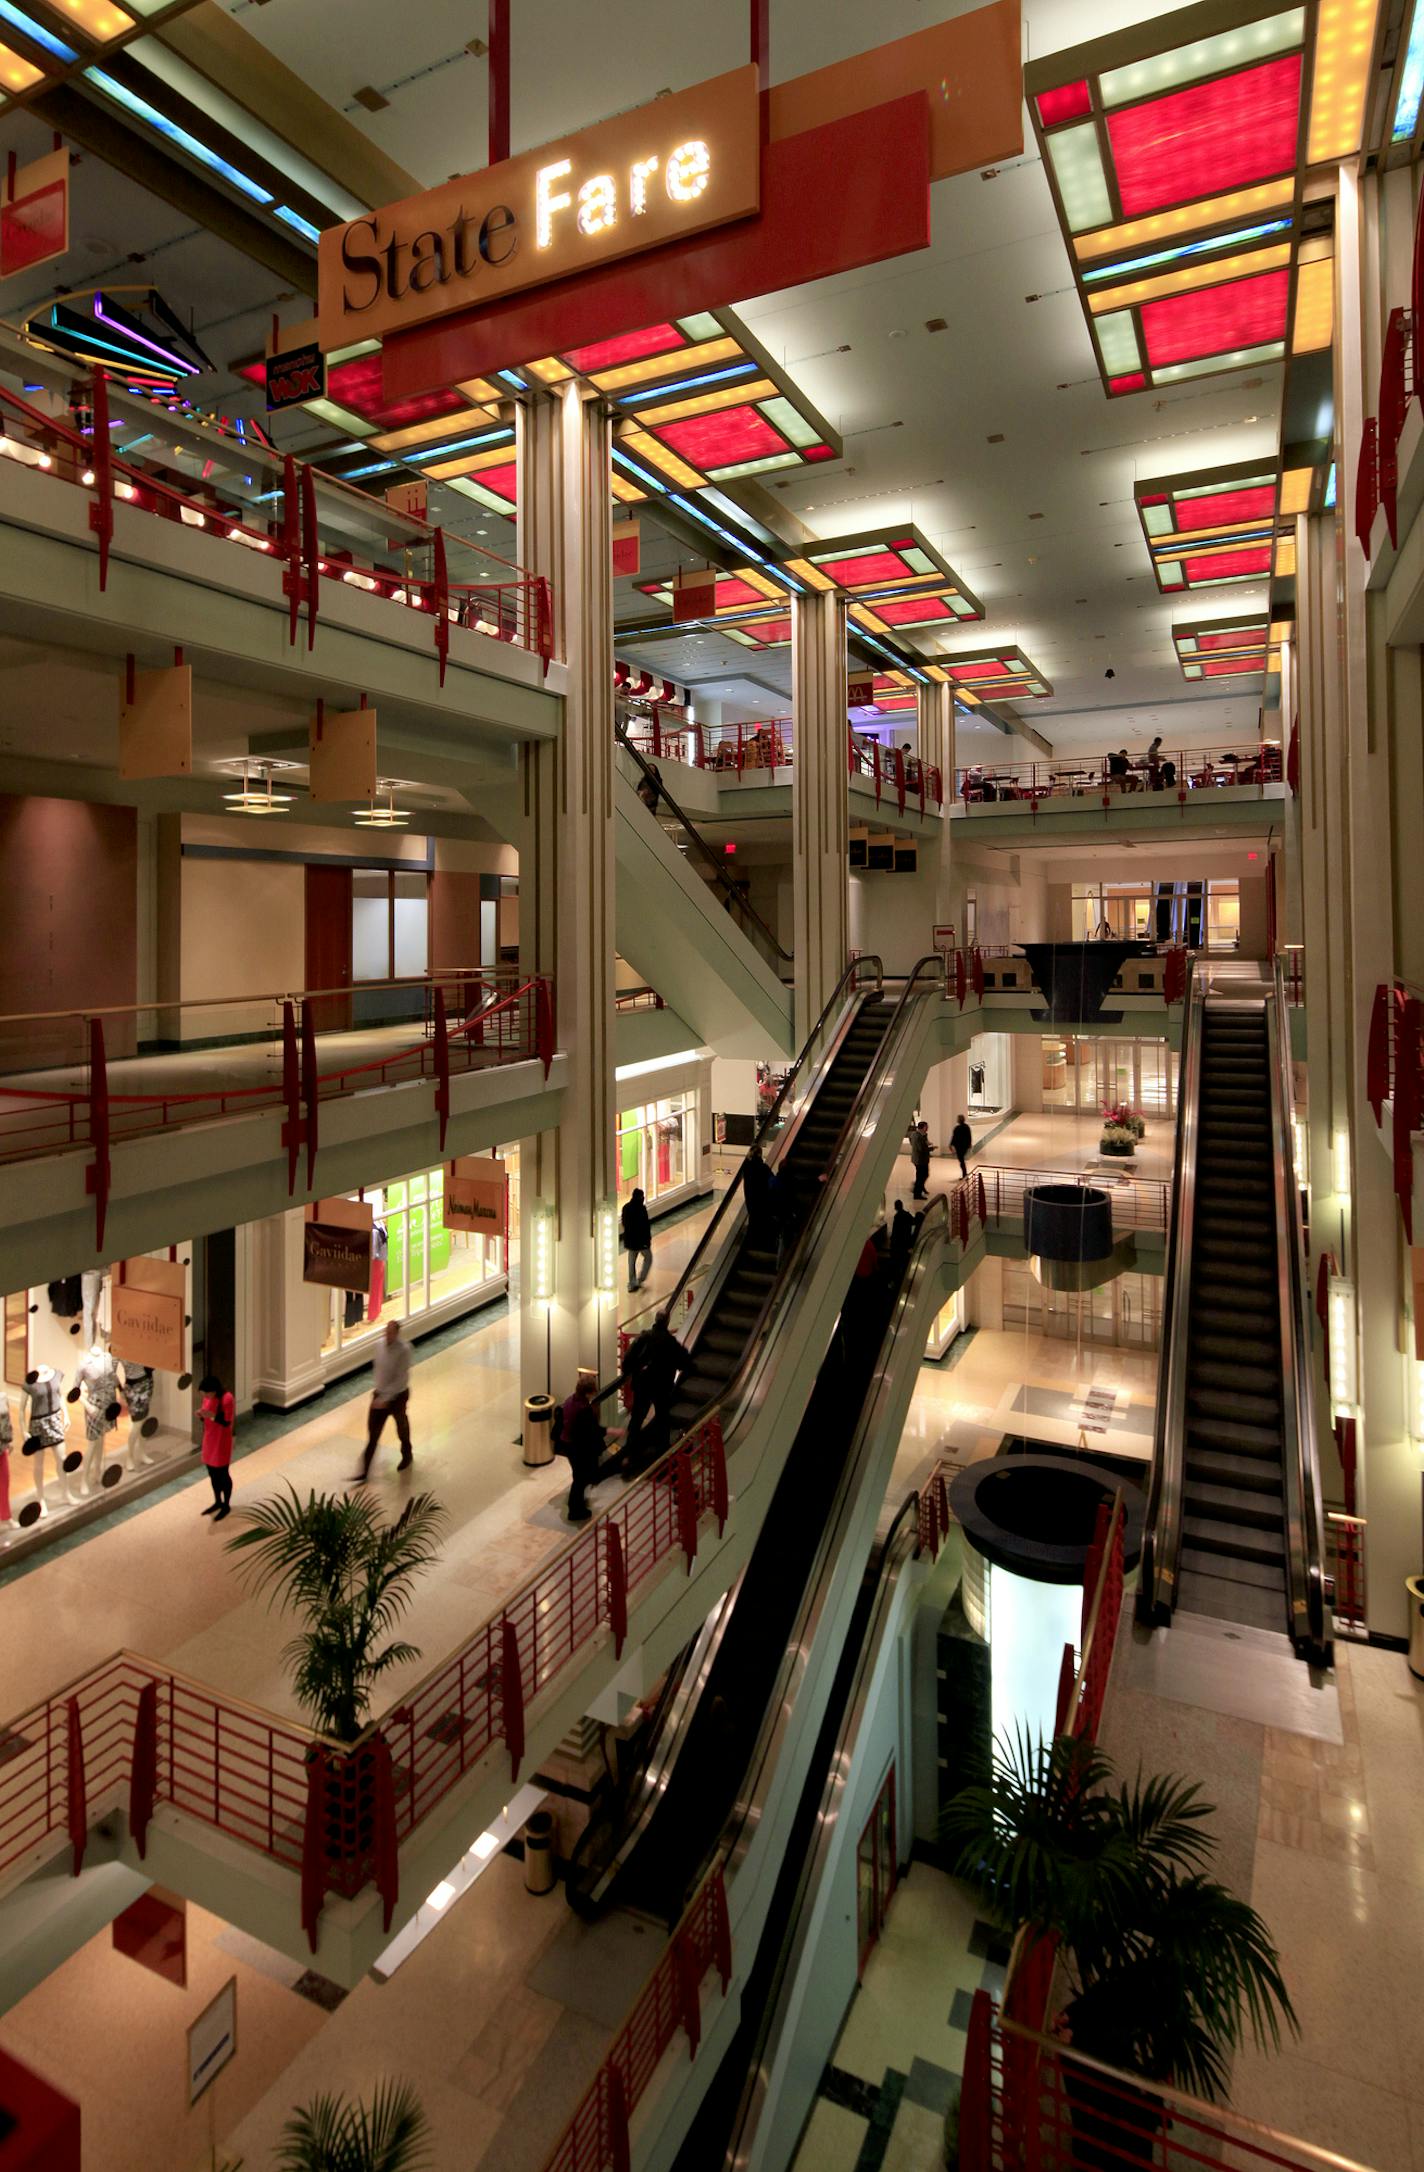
[961, 1139]
[581, 1440]
[390, 1398]
[920, 1159]
[217, 1411]
[637, 1239]
[653, 1364]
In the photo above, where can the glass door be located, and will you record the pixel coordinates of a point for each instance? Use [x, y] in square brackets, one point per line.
[875, 1871]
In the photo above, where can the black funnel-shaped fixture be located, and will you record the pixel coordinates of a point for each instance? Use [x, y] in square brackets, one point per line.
[1073, 978]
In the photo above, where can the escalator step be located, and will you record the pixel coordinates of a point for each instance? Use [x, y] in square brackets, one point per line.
[1246, 1474]
[1240, 1543]
[1236, 1435]
[1199, 1591]
[1225, 1274]
[1254, 1507]
[1246, 1313]
[1209, 1347]
[1250, 1374]
[1227, 1405]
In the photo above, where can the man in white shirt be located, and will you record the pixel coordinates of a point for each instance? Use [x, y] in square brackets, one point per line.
[390, 1395]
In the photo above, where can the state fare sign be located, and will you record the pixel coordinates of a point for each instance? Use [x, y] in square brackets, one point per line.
[661, 173]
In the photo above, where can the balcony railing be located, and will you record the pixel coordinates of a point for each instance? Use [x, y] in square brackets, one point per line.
[766, 752]
[1177, 772]
[307, 536]
[254, 1054]
[1137, 1202]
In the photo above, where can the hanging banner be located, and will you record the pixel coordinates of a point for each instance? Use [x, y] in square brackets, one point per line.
[147, 1307]
[860, 690]
[627, 547]
[694, 594]
[660, 173]
[156, 723]
[336, 1244]
[412, 499]
[477, 1195]
[34, 218]
[295, 377]
[341, 755]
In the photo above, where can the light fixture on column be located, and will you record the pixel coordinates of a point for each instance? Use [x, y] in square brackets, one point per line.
[605, 1248]
[1340, 1160]
[1300, 1138]
[541, 1248]
[257, 795]
[1344, 1370]
[382, 813]
[1416, 1399]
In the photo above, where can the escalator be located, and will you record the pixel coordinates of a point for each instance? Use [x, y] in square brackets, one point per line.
[687, 928]
[1235, 1526]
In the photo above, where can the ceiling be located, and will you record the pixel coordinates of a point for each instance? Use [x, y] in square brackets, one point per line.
[993, 435]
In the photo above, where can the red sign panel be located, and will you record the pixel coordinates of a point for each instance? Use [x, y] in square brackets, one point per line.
[34, 221]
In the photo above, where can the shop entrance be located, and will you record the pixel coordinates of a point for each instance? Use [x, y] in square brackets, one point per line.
[875, 1872]
[1084, 1074]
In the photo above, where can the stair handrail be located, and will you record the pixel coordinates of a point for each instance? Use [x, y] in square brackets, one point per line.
[1162, 1527]
[866, 964]
[711, 859]
[1305, 1513]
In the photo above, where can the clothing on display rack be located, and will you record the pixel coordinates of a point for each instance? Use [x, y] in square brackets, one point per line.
[138, 1391]
[380, 1246]
[353, 1310]
[976, 1080]
[66, 1297]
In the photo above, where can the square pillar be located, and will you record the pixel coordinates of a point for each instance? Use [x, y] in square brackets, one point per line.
[820, 823]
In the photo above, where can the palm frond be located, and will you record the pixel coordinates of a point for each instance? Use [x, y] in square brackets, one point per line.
[332, 2134]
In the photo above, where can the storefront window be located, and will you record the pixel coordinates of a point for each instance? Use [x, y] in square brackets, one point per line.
[1124, 1312]
[657, 1147]
[1084, 1073]
[418, 1265]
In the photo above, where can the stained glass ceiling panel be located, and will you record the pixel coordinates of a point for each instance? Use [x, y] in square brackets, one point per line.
[1213, 527]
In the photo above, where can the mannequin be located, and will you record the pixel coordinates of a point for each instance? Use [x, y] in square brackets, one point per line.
[97, 1381]
[46, 1423]
[7, 1441]
[92, 1286]
[138, 1399]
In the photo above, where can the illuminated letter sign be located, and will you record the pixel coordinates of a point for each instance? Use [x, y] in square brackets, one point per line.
[663, 173]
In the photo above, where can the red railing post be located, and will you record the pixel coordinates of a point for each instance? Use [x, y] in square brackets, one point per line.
[291, 546]
[1063, 1709]
[717, 1457]
[961, 978]
[980, 1206]
[101, 512]
[441, 1040]
[1407, 1098]
[689, 1978]
[1377, 1053]
[77, 1792]
[721, 1930]
[616, 1570]
[875, 757]
[686, 1505]
[620, 2154]
[311, 1088]
[143, 1766]
[386, 1851]
[975, 2118]
[442, 603]
[291, 1095]
[1367, 492]
[97, 1176]
[544, 1023]
[544, 615]
[976, 973]
[511, 1695]
[311, 552]
[314, 1844]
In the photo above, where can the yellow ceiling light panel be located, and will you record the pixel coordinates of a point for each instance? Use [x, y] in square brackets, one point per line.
[962, 694]
[704, 403]
[1171, 225]
[98, 19]
[1295, 490]
[17, 74]
[676, 364]
[480, 388]
[938, 673]
[661, 457]
[1190, 276]
[801, 569]
[549, 370]
[1314, 325]
[1223, 538]
[1285, 557]
[1344, 45]
[761, 584]
[864, 616]
[494, 456]
[1281, 630]
[626, 492]
[431, 432]
[899, 678]
[444, 470]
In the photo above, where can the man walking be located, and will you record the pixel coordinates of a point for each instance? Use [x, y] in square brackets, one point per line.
[637, 1239]
[390, 1396]
[920, 1159]
[960, 1141]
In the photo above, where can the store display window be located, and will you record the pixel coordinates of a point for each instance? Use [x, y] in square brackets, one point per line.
[1124, 1312]
[1200, 915]
[657, 1148]
[991, 1074]
[1086, 1073]
[418, 1266]
[79, 1417]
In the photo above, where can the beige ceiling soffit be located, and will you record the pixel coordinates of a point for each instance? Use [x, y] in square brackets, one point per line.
[241, 65]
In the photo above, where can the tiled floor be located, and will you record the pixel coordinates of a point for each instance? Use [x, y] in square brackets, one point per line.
[898, 2060]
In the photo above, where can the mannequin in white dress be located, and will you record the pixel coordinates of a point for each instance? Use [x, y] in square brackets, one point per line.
[46, 1422]
[97, 1384]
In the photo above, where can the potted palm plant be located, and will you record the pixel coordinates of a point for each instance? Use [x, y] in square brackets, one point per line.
[332, 2135]
[350, 1577]
[1167, 1972]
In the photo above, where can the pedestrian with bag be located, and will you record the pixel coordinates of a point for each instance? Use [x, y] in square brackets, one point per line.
[390, 1398]
[637, 1231]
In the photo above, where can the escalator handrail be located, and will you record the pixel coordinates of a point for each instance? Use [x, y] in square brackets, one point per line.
[845, 988]
[711, 859]
[1305, 1515]
[1162, 1529]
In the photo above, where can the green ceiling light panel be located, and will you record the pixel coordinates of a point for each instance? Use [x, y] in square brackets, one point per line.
[1206, 56]
[1082, 184]
[1117, 342]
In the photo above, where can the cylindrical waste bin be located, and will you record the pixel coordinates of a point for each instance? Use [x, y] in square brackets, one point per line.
[538, 1430]
[539, 1853]
[1414, 1585]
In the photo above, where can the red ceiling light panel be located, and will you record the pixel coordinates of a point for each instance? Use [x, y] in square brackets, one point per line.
[1228, 648]
[1176, 152]
[1212, 527]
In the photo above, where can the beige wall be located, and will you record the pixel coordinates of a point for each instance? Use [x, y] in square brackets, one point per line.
[243, 930]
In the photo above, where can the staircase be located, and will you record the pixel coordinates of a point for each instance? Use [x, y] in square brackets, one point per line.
[1233, 1555]
[737, 1305]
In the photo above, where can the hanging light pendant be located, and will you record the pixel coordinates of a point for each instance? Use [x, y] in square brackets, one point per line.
[257, 795]
[382, 813]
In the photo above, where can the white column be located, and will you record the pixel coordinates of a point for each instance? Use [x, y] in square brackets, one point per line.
[819, 817]
[937, 751]
[566, 902]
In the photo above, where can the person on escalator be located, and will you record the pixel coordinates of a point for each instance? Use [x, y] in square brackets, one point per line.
[652, 1365]
[650, 786]
[580, 1439]
[756, 1191]
[902, 1234]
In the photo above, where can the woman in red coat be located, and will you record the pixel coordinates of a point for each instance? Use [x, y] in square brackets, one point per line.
[216, 1411]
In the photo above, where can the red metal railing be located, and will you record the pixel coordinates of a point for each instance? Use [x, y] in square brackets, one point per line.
[765, 749]
[1181, 770]
[1367, 484]
[1396, 390]
[512, 606]
[1394, 1074]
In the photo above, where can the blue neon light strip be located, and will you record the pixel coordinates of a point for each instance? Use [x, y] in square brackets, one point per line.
[738, 543]
[421, 455]
[123, 96]
[1411, 79]
[36, 32]
[650, 395]
[897, 663]
[639, 473]
[1330, 488]
[304, 227]
[1181, 545]
[83, 342]
[375, 467]
[509, 377]
[1130, 264]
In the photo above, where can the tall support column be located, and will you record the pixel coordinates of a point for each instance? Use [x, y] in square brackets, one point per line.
[566, 899]
[820, 829]
[936, 705]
